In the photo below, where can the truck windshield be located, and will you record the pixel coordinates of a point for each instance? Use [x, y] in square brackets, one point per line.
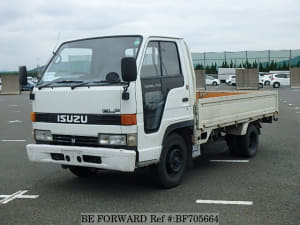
[96, 60]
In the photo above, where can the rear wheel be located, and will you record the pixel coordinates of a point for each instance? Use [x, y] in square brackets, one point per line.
[214, 83]
[276, 85]
[267, 82]
[244, 145]
[232, 142]
[248, 144]
[260, 85]
[82, 171]
[171, 167]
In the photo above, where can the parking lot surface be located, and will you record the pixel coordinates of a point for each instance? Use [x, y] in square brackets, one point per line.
[270, 181]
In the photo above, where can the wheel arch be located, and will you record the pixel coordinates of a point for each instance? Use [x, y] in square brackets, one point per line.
[184, 129]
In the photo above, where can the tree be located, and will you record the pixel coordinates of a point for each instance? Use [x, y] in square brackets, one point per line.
[260, 67]
[254, 65]
[199, 67]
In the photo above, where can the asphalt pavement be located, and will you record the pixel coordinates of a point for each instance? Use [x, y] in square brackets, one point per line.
[270, 181]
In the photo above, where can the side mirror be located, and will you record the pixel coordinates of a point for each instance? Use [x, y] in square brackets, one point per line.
[128, 69]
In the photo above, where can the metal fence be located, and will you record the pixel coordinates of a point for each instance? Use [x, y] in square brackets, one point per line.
[290, 58]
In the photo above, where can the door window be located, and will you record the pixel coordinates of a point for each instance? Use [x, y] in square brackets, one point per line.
[160, 73]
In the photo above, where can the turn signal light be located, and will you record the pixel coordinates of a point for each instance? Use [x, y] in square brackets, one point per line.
[128, 119]
[33, 117]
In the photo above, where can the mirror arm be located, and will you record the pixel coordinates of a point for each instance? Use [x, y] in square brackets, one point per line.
[125, 94]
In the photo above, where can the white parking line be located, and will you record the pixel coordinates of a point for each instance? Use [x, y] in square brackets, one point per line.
[16, 111]
[229, 161]
[13, 105]
[290, 104]
[297, 108]
[18, 194]
[15, 121]
[224, 202]
[21, 140]
[297, 112]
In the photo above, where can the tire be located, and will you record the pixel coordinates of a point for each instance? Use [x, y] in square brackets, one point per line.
[82, 171]
[267, 82]
[248, 144]
[169, 171]
[214, 83]
[260, 85]
[232, 142]
[276, 85]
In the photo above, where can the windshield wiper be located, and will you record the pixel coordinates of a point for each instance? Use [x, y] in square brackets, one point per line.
[108, 82]
[59, 82]
[80, 84]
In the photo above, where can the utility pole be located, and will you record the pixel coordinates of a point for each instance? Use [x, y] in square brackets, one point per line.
[290, 59]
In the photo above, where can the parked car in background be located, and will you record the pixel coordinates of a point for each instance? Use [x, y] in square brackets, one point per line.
[32, 79]
[265, 79]
[233, 80]
[28, 87]
[228, 80]
[209, 80]
[278, 80]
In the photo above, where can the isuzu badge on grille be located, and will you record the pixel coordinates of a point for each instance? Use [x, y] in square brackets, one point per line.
[72, 118]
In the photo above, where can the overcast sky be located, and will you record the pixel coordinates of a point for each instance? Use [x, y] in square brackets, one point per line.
[30, 30]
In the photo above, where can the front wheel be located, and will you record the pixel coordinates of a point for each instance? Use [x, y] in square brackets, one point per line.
[276, 85]
[267, 82]
[214, 83]
[171, 167]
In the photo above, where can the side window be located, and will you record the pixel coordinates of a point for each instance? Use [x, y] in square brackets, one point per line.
[160, 73]
[170, 59]
[151, 63]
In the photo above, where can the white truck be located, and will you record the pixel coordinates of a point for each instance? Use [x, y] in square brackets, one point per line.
[124, 102]
[224, 74]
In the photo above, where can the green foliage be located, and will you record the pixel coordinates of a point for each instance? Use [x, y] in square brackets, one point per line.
[199, 67]
[225, 64]
[29, 73]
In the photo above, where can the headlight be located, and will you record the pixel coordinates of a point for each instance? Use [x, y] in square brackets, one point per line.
[107, 139]
[42, 135]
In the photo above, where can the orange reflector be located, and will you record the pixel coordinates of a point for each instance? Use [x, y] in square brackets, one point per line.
[128, 119]
[33, 117]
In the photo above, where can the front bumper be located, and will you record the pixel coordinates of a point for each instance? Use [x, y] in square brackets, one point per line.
[111, 159]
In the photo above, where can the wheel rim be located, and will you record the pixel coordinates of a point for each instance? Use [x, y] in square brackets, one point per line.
[253, 142]
[174, 161]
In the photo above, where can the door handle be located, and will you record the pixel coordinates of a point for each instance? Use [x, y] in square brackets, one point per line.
[185, 99]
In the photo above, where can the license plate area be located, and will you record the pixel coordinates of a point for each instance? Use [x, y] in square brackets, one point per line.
[72, 156]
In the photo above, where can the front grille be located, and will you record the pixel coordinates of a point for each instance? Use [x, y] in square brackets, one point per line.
[92, 119]
[75, 140]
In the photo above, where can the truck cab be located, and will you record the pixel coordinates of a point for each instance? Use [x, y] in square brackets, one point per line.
[110, 103]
